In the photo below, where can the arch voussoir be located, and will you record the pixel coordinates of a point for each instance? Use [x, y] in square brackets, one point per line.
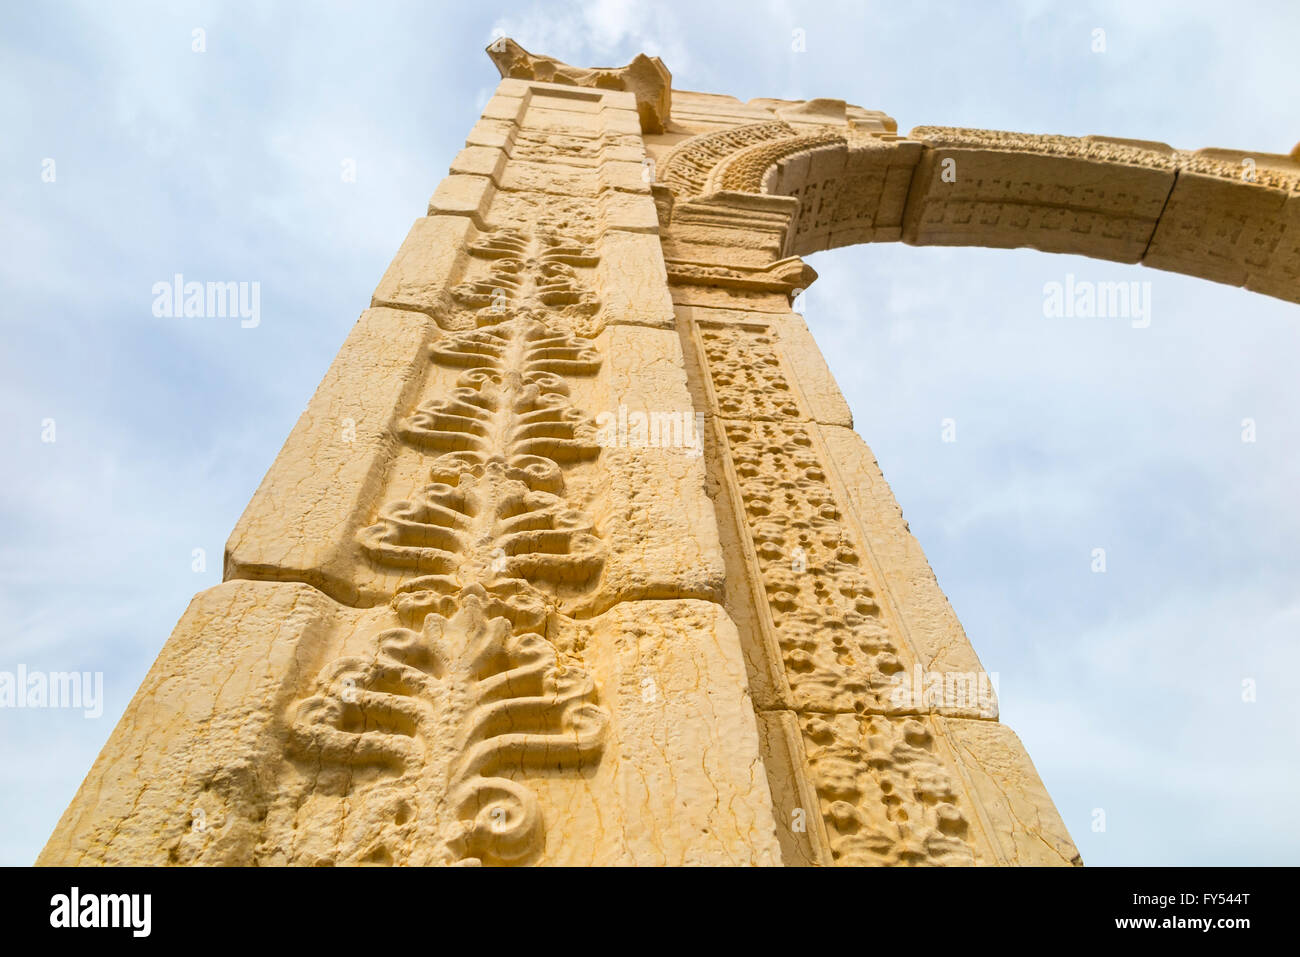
[1227, 216]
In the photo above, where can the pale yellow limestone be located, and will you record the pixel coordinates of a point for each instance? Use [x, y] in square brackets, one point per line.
[574, 556]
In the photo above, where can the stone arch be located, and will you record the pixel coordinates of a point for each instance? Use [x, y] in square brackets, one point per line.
[761, 573]
[1224, 215]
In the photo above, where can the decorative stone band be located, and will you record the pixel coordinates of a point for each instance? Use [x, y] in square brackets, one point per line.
[832, 640]
[689, 168]
[1214, 162]
[860, 773]
[1101, 149]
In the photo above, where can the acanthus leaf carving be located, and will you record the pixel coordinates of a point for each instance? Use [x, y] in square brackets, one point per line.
[445, 712]
[428, 734]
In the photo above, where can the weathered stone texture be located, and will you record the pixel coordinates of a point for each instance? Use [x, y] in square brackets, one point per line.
[574, 556]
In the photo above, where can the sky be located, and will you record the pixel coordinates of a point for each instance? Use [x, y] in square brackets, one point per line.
[1159, 698]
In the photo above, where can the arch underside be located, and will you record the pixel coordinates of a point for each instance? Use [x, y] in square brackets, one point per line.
[820, 175]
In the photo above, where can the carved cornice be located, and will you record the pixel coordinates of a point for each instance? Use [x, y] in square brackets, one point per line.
[1265, 169]
[1098, 148]
[645, 77]
[789, 275]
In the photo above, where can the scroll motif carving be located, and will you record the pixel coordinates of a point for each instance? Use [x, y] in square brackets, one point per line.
[420, 737]
[435, 714]
[502, 438]
[529, 277]
[496, 502]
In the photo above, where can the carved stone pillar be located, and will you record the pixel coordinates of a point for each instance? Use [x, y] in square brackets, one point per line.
[575, 558]
[465, 618]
